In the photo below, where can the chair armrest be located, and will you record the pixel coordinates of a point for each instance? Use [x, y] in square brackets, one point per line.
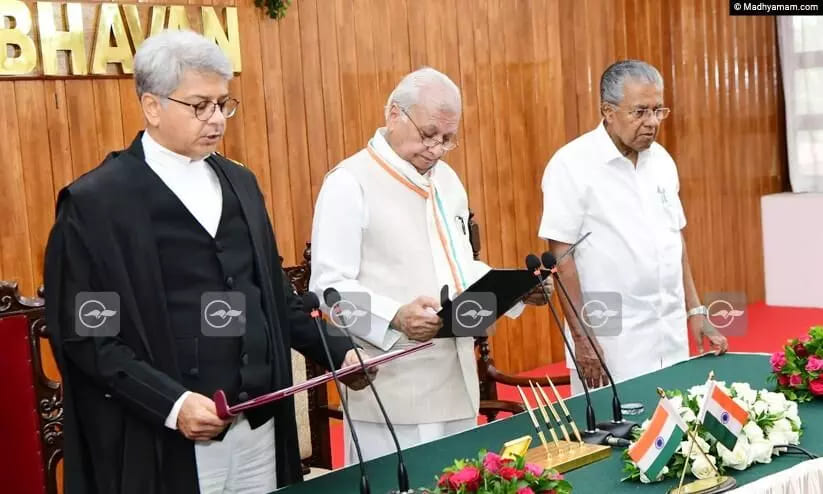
[503, 378]
[495, 406]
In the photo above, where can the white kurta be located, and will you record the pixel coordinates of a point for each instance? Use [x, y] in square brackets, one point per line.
[635, 216]
[383, 229]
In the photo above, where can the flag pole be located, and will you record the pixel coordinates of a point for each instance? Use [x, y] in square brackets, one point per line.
[686, 465]
[692, 437]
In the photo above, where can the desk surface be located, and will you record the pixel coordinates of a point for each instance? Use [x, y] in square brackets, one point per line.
[427, 460]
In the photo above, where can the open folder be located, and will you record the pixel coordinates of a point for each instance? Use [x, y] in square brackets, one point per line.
[224, 411]
[475, 309]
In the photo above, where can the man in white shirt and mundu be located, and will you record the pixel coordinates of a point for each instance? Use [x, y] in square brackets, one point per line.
[391, 222]
[619, 184]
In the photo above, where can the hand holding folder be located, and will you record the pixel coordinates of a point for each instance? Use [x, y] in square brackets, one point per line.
[224, 411]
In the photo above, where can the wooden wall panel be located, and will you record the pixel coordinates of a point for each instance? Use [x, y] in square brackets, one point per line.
[314, 85]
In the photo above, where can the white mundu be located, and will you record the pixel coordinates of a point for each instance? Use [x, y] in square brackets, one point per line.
[382, 228]
[635, 217]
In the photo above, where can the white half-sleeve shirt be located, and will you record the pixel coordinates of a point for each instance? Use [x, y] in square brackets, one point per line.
[635, 249]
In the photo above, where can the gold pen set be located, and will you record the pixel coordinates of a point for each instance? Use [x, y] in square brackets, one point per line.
[543, 402]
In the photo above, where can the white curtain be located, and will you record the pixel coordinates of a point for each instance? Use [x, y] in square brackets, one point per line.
[801, 59]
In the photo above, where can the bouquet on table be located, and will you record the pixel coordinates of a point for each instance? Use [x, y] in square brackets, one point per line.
[491, 474]
[740, 427]
[798, 368]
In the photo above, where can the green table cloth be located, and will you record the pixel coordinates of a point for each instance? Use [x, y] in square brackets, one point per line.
[427, 460]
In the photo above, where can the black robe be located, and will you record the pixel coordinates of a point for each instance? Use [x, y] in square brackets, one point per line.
[119, 390]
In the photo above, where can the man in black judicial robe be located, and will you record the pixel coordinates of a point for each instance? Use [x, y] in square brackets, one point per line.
[120, 229]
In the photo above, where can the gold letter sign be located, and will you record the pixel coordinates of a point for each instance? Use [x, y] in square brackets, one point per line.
[18, 36]
[78, 39]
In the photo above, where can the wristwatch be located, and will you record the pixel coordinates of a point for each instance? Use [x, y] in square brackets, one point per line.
[700, 310]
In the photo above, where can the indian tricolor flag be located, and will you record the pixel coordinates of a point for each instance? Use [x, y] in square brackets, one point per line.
[659, 442]
[722, 417]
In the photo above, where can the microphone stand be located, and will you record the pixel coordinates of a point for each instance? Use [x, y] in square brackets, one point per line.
[312, 304]
[618, 426]
[332, 297]
[591, 434]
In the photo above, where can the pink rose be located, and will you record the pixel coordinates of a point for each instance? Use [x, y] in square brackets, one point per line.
[800, 350]
[525, 490]
[795, 380]
[783, 380]
[556, 476]
[493, 462]
[814, 364]
[469, 478]
[511, 473]
[533, 469]
[816, 386]
[778, 361]
[444, 480]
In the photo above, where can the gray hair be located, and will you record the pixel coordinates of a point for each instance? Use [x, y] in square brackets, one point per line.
[162, 59]
[614, 78]
[408, 92]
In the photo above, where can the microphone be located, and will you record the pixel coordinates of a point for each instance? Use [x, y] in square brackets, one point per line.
[618, 442]
[311, 304]
[592, 434]
[331, 296]
[618, 427]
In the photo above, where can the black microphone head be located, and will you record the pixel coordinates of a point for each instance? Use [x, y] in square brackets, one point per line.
[310, 301]
[532, 262]
[549, 260]
[331, 296]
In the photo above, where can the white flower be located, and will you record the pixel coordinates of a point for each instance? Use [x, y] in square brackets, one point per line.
[760, 407]
[791, 413]
[775, 401]
[753, 432]
[685, 445]
[660, 476]
[745, 392]
[760, 451]
[782, 433]
[687, 415]
[701, 467]
[739, 457]
[697, 392]
[677, 402]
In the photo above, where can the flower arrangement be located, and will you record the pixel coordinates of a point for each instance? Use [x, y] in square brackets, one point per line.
[491, 474]
[798, 368]
[773, 420]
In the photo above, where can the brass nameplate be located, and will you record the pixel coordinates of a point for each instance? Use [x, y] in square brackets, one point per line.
[569, 456]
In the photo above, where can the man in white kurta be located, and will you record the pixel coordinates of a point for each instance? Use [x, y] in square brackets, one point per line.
[621, 186]
[391, 221]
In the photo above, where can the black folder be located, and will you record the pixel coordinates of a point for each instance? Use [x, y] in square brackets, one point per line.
[481, 304]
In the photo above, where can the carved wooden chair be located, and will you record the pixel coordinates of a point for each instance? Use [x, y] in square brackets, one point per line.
[313, 412]
[33, 411]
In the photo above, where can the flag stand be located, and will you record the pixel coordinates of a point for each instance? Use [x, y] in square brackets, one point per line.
[711, 485]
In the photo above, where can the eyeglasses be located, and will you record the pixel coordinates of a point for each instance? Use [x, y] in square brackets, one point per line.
[430, 142]
[205, 109]
[644, 113]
